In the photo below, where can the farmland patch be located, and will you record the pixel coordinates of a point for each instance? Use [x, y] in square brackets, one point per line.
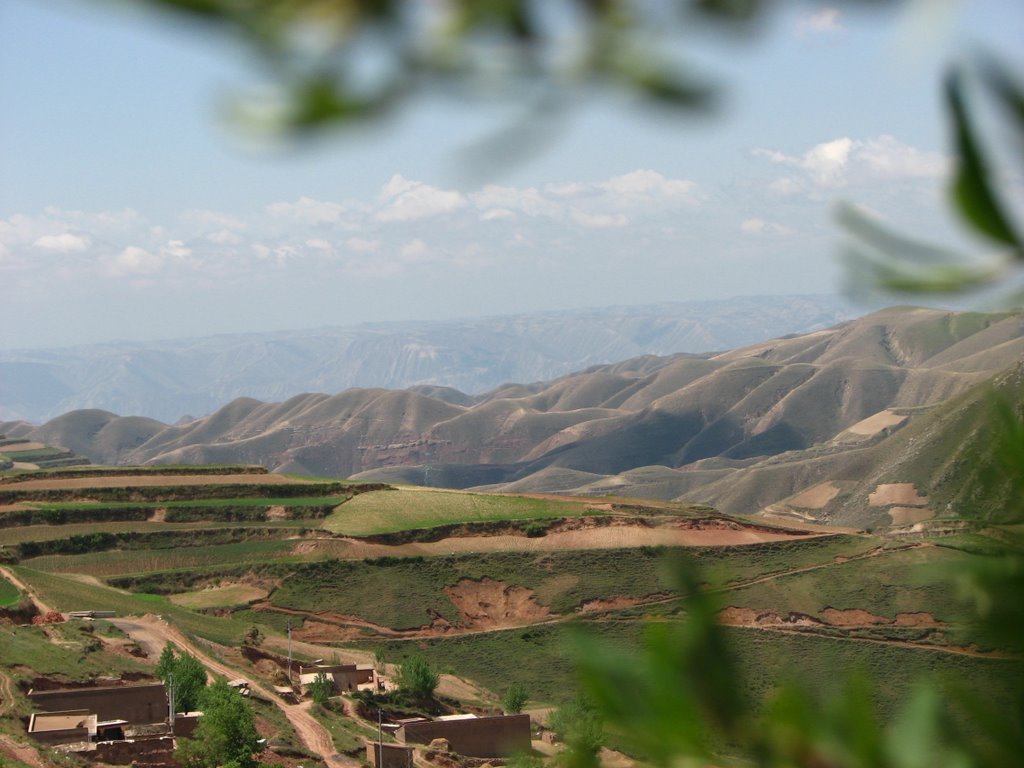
[223, 596]
[389, 511]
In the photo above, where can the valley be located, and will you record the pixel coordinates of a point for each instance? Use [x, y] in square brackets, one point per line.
[492, 589]
[808, 503]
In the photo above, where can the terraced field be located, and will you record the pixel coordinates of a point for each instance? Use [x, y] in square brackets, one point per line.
[491, 587]
[402, 510]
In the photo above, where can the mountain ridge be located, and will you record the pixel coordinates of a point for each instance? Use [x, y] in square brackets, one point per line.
[171, 379]
[789, 411]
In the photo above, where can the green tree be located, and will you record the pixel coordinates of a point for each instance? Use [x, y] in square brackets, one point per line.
[416, 677]
[580, 727]
[185, 673]
[226, 733]
[322, 688]
[514, 699]
[165, 664]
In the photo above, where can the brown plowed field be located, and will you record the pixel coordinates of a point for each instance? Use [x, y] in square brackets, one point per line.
[608, 537]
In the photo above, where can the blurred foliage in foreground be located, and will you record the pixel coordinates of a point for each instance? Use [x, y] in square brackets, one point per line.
[333, 61]
[328, 62]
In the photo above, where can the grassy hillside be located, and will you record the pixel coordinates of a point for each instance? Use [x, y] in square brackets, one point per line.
[389, 511]
[491, 588]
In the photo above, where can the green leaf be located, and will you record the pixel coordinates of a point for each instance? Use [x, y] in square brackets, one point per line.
[895, 262]
[972, 190]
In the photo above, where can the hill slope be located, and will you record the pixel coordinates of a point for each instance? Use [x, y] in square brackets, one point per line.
[744, 429]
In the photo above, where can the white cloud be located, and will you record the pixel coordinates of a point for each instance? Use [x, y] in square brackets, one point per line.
[756, 226]
[309, 211]
[502, 202]
[63, 243]
[224, 237]
[599, 220]
[647, 183]
[361, 245]
[822, 21]
[132, 261]
[786, 186]
[497, 213]
[415, 251]
[834, 163]
[176, 249]
[889, 158]
[318, 244]
[213, 219]
[407, 200]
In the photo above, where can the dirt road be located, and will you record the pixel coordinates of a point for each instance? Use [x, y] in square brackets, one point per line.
[9, 575]
[153, 633]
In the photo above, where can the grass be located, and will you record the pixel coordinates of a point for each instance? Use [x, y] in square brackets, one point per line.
[100, 470]
[9, 594]
[143, 561]
[14, 493]
[539, 658]
[74, 655]
[219, 597]
[403, 592]
[20, 535]
[391, 511]
[275, 726]
[349, 736]
[894, 582]
[38, 453]
[240, 502]
[68, 594]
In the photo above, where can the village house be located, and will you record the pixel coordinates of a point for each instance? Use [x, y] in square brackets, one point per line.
[470, 735]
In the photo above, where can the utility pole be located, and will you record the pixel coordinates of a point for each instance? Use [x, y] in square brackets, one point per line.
[170, 701]
[380, 745]
[289, 625]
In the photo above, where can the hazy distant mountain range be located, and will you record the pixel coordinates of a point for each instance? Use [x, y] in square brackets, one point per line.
[167, 380]
[866, 423]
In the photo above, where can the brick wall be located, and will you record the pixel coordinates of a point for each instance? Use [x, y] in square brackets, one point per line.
[391, 755]
[500, 736]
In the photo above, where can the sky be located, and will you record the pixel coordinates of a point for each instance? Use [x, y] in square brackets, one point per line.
[129, 209]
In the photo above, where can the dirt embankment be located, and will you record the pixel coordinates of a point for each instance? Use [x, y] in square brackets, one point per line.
[490, 604]
[831, 617]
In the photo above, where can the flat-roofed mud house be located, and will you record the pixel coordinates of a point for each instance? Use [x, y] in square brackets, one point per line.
[469, 735]
[346, 677]
[135, 704]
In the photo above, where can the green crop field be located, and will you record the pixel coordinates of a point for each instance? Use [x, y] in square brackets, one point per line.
[390, 511]
[9, 594]
[219, 597]
[143, 561]
[301, 501]
[41, 533]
